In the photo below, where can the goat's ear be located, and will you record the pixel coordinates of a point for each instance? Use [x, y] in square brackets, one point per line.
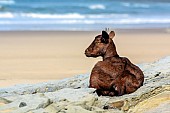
[105, 35]
[111, 34]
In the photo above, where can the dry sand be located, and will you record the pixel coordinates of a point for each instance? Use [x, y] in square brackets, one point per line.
[31, 57]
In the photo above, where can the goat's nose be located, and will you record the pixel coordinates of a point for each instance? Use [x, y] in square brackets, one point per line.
[86, 50]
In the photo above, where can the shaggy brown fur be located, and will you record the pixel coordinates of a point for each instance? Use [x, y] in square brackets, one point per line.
[114, 75]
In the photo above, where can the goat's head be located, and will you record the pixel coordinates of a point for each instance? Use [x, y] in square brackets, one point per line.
[100, 44]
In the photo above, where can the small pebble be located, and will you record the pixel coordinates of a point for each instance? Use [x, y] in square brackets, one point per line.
[22, 104]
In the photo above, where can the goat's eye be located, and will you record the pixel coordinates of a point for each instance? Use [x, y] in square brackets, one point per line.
[97, 42]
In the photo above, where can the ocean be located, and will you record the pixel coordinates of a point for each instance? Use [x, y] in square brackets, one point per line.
[83, 14]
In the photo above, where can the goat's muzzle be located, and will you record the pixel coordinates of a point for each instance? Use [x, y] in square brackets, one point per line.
[90, 54]
[87, 53]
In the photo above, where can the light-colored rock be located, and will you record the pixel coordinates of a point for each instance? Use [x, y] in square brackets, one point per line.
[72, 95]
[32, 102]
[69, 94]
[79, 81]
[79, 109]
[156, 104]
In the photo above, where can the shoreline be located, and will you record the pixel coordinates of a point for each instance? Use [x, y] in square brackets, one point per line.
[120, 30]
[35, 56]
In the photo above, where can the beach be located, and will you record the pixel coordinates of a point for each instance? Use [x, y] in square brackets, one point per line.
[38, 56]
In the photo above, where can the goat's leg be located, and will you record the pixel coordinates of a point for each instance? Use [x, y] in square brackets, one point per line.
[102, 92]
[94, 81]
[105, 93]
[119, 89]
[131, 84]
[135, 71]
[118, 86]
[125, 84]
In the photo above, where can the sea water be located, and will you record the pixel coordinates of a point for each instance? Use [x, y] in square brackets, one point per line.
[83, 14]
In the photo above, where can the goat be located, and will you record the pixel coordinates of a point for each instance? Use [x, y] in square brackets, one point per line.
[114, 76]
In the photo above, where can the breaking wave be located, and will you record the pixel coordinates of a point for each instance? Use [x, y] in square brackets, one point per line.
[6, 15]
[97, 6]
[69, 16]
[137, 5]
[7, 2]
[75, 18]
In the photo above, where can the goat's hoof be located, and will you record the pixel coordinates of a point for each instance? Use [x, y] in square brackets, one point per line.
[115, 88]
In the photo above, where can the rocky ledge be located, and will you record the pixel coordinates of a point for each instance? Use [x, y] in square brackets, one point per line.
[72, 95]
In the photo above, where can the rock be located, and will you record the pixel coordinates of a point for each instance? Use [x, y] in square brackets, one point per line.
[41, 110]
[32, 102]
[79, 109]
[118, 104]
[69, 94]
[22, 104]
[156, 104]
[72, 95]
[79, 81]
[5, 101]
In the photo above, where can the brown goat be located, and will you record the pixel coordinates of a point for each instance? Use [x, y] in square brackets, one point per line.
[114, 76]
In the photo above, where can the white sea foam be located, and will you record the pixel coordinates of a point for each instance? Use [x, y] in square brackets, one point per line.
[33, 18]
[143, 21]
[36, 15]
[126, 4]
[97, 6]
[60, 16]
[141, 5]
[86, 21]
[6, 15]
[52, 22]
[137, 5]
[7, 2]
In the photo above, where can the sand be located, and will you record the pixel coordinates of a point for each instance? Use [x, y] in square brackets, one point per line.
[37, 56]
